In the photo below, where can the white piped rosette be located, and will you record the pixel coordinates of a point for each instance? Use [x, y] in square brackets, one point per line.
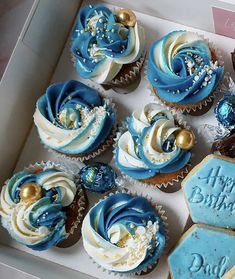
[211, 97]
[103, 147]
[160, 212]
[178, 117]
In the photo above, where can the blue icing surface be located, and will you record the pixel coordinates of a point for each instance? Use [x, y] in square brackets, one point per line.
[47, 212]
[210, 192]
[187, 77]
[71, 99]
[97, 28]
[132, 210]
[203, 253]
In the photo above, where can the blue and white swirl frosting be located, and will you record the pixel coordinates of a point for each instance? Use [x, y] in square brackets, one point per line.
[39, 225]
[149, 147]
[123, 233]
[72, 118]
[181, 68]
[101, 44]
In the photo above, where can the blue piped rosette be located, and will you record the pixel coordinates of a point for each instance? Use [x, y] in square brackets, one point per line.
[108, 142]
[206, 101]
[123, 127]
[147, 267]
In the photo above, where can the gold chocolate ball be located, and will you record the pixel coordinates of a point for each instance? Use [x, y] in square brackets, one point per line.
[185, 139]
[30, 193]
[126, 17]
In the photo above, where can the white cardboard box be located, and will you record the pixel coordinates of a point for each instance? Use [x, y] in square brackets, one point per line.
[41, 56]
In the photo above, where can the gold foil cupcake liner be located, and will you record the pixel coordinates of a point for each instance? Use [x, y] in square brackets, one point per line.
[81, 200]
[123, 128]
[161, 214]
[204, 103]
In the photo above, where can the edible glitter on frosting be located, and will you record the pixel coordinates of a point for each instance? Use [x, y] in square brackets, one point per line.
[39, 225]
[72, 118]
[123, 233]
[181, 68]
[101, 44]
[149, 146]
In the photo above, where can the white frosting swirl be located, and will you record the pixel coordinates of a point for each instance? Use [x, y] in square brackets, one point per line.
[124, 252]
[152, 144]
[15, 215]
[111, 66]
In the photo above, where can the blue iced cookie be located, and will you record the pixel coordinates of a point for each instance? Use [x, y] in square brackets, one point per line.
[230, 274]
[210, 192]
[203, 252]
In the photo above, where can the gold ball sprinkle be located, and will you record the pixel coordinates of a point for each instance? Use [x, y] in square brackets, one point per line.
[185, 139]
[126, 17]
[30, 193]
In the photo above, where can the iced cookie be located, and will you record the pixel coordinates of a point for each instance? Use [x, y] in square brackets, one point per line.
[230, 274]
[203, 252]
[210, 192]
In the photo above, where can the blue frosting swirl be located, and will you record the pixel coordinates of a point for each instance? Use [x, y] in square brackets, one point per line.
[98, 38]
[128, 212]
[72, 118]
[181, 68]
[43, 223]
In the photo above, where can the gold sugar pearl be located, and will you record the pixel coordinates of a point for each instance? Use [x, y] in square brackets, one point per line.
[185, 139]
[30, 193]
[126, 17]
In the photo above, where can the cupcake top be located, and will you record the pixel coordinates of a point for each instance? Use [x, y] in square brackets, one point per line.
[150, 145]
[72, 118]
[182, 68]
[102, 41]
[32, 206]
[123, 233]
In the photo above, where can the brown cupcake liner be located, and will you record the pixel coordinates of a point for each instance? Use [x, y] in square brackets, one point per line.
[161, 213]
[174, 177]
[75, 211]
[204, 105]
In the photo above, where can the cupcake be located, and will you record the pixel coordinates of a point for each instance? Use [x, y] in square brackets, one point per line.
[42, 206]
[108, 47]
[72, 119]
[155, 148]
[184, 71]
[124, 233]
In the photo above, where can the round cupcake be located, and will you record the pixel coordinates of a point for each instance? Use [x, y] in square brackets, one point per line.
[155, 149]
[124, 233]
[74, 120]
[108, 47]
[42, 207]
[183, 71]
